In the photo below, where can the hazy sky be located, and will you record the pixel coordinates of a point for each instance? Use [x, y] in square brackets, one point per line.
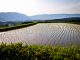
[34, 7]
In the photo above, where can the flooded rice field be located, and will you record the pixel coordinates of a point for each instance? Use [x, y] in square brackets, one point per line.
[44, 34]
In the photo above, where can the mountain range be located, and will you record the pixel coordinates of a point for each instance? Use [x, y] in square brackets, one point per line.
[13, 18]
[53, 16]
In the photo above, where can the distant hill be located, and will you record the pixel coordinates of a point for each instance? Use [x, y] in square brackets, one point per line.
[53, 16]
[63, 20]
[13, 16]
[8, 23]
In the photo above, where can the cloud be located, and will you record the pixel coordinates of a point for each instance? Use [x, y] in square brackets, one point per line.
[33, 7]
[61, 7]
[63, 1]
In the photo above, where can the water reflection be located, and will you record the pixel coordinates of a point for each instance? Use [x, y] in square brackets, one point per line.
[44, 33]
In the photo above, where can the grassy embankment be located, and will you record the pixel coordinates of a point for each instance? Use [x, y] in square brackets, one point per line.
[2, 29]
[17, 27]
[30, 24]
[38, 52]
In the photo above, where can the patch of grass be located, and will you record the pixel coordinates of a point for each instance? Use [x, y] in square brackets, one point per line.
[17, 27]
[38, 52]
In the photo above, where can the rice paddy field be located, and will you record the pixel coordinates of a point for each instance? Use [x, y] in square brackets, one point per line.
[44, 34]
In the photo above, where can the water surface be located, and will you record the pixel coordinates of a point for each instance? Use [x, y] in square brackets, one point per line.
[44, 34]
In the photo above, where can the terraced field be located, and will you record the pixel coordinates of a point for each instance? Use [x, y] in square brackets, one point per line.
[44, 33]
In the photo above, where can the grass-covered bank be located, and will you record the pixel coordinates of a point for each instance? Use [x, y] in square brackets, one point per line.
[2, 29]
[37, 52]
[17, 27]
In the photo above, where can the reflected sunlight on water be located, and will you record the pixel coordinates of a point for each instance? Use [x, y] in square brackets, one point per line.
[44, 33]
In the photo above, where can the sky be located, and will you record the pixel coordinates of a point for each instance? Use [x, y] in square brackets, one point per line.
[36, 7]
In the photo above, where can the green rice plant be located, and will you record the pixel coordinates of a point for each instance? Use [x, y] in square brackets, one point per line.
[18, 51]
